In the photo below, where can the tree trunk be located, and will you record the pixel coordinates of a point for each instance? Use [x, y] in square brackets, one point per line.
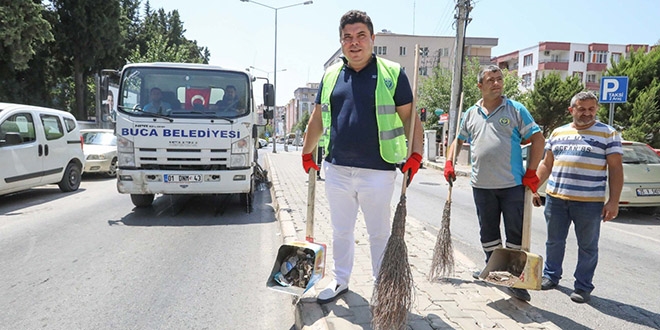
[79, 90]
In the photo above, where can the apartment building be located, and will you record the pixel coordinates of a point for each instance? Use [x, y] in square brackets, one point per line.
[303, 101]
[586, 61]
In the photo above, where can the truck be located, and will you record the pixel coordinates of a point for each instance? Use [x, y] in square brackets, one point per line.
[191, 141]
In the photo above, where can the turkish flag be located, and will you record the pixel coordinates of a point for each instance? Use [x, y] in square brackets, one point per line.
[197, 96]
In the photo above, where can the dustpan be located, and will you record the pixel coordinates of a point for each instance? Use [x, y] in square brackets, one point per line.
[516, 268]
[308, 249]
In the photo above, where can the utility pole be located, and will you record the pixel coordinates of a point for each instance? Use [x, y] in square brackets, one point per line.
[463, 8]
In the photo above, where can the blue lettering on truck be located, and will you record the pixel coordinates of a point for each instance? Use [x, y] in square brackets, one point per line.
[187, 133]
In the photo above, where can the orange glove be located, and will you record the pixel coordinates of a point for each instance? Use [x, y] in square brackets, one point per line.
[531, 180]
[450, 175]
[413, 164]
[308, 162]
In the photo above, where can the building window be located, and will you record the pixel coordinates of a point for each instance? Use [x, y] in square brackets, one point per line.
[591, 78]
[424, 51]
[616, 58]
[578, 57]
[527, 79]
[380, 50]
[528, 60]
[599, 57]
[443, 52]
[579, 74]
[402, 51]
[423, 71]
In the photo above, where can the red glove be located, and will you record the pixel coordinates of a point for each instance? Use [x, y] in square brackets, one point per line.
[450, 175]
[531, 180]
[308, 162]
[412, 164]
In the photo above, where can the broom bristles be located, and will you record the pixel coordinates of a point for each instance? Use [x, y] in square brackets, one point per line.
[392, 296]
[443, 253]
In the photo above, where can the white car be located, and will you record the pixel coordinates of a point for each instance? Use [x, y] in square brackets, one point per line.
[641, 177]
[262, 143]
[100, 148]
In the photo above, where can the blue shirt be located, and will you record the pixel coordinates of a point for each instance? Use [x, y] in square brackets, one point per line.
[354, 130]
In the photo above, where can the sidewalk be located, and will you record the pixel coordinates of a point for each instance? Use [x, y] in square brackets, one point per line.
[457, 303]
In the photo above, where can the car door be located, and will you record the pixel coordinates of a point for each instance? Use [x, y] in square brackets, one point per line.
[22, 163]
[55, 144]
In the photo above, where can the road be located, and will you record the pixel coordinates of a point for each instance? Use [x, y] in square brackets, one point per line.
[626, 278]
[90, 260]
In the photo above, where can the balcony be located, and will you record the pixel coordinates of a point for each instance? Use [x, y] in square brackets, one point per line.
[554, 64]
[592, 86]
[598, 67]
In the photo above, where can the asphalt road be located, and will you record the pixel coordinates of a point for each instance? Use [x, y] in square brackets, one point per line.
[90, 260]
[626, 279]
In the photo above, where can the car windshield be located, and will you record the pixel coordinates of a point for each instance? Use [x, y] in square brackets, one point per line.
[99, 138]
[639, 154]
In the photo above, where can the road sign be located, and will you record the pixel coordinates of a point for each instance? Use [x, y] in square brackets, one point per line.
[613, 89]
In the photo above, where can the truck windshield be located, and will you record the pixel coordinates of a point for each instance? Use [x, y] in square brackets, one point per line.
[184, 93]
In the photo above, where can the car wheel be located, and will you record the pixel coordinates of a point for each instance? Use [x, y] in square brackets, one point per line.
[141, 200]
[71, 178]
[112, 172]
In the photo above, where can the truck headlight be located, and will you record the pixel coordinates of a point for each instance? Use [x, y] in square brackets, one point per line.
[124, 145]
[238, 161]
[125, 152]
[240, 147]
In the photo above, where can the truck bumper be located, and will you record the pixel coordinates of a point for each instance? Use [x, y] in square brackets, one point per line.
[183, 182]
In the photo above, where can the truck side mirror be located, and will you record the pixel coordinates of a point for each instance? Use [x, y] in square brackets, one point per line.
[269, 95]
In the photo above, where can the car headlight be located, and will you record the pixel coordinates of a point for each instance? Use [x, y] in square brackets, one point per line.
[96, 157]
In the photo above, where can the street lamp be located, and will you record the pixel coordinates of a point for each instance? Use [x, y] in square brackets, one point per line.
[264, 71]
[275, 60]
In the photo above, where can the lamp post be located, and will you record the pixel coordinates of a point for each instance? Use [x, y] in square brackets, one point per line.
[275, 59]
[264, 71]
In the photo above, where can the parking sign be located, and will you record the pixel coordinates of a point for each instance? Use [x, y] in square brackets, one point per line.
[613, 89]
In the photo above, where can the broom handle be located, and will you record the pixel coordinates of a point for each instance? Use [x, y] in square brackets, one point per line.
[453, 151]
[311, 194]
[527, 221]
[413, 116]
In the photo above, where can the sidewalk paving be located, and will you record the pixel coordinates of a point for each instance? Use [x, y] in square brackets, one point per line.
[459, 302]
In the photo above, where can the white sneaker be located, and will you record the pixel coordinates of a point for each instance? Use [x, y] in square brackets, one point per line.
[331, 292]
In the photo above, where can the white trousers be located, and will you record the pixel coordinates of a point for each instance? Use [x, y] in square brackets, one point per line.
[350, 188]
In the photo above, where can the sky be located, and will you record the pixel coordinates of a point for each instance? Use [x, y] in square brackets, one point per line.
[241, 34]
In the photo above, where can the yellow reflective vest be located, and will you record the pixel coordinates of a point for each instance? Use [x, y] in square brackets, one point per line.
[391, 135]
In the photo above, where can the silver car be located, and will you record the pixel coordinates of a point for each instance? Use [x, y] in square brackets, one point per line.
[641, 177]
[100, 148]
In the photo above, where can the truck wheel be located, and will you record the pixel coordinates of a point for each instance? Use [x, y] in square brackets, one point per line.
[71, 178]
[112, 172]
[247, 198]
[140, 200]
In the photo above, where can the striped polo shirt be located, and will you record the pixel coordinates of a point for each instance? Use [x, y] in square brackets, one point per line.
[579, 171]
[495, 152]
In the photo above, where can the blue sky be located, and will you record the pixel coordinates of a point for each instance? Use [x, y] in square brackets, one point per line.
[241, 34]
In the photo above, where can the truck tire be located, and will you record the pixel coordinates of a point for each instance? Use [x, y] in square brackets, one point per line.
[71, 178]
[140, 200]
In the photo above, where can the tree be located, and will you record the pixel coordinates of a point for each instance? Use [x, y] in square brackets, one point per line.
[550, 99]
[301, 125]
[87, 34]
[645, 120]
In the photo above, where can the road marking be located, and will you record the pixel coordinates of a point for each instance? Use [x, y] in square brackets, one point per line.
[637, 235]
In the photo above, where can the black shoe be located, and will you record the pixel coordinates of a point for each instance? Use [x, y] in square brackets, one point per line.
[547, 284]
[580, 296]
[521, 294]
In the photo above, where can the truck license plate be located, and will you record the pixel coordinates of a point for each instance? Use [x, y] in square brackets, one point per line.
[183, 178]
[648, 191]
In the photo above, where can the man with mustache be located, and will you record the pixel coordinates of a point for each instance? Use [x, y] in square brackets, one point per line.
[580, 159]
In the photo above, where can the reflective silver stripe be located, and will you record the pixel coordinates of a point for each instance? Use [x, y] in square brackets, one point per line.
[392, 134]
[513, 246]
[386, 109]
[492, 245]
[325, 108]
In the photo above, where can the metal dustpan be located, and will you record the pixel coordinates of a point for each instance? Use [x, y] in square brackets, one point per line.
[311, 255]
[516, 268]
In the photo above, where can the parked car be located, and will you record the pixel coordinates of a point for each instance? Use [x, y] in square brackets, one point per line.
[657, 151]
[641, 177]
[262, 143]
[100, 147]
[38, 146]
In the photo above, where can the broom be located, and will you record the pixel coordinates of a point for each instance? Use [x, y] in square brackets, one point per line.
[443, 252]
[392, 296]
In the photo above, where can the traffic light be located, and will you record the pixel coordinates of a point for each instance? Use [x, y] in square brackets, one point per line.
[422, 114]
[282, 116]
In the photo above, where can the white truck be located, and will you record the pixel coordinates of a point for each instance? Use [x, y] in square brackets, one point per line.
[191, 139]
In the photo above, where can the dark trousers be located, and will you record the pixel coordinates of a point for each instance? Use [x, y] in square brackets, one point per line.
[494, 204]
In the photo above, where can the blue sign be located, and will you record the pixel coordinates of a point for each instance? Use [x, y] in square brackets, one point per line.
[613, 89]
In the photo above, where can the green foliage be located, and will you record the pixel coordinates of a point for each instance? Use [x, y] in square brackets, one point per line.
[639, 117]
[549, 101]
[301, 125]
[23, 30]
